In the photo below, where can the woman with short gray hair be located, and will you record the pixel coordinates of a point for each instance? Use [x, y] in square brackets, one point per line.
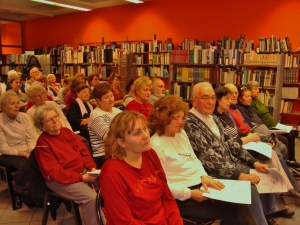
[63, 160]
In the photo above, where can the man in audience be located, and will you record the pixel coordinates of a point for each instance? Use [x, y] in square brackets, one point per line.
[34, 72]
[16, 134]
[158, 90]
[218, 153]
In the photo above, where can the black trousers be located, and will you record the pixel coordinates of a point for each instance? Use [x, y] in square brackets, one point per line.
[289, 140]
[13, 160]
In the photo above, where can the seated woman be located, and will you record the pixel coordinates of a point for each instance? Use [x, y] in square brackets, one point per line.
[63, 160]
[99, 120]
[93, 80]
[52, 85]
[80, 111]
[71, 94]
[262, 112]
[114, 80]
[132, 178]
[16, 133]
[142, 92]
[43, 80]
[37, 94]
[184, 170]
[222, 105]
[15, 84]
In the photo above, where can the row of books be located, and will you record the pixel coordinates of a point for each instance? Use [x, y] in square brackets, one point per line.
[290, 92]
[153, 58]
[291, 60]
[274, 44]
[267, 98]
[152, 46]
[155, 71]
[265, 77]
[183, 90]
[286, 106]
[291, 75]
[102, 70]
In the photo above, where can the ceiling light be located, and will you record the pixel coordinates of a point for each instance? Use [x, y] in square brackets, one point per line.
[62, 5]
[135, 1]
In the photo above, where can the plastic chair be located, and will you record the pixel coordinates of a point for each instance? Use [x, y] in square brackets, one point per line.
[9, 178]
[47, 202]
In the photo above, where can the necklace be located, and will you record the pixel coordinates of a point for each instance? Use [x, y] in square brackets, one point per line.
[179, 146]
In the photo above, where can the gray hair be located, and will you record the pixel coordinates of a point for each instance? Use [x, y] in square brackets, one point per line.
[199, 86]
[11, 74]
[50, 75]
[252, 84]
[40, 113]
[5, 95]
[33, 90]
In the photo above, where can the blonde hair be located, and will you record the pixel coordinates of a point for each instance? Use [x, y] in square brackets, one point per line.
[122, 125]
[141, 82]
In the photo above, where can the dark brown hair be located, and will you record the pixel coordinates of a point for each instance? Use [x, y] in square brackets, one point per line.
[101, 89]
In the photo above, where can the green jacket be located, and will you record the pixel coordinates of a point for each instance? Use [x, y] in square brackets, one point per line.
[263, 112]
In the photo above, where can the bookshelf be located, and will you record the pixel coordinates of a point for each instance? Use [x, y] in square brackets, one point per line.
[290, 103]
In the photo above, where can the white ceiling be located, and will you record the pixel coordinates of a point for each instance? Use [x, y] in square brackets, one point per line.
[21, 10]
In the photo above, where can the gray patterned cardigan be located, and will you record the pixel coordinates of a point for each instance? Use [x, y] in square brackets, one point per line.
[218, 156]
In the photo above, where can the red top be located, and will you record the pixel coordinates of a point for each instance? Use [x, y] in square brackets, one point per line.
[239, 120]
[138, 107]
[119, 94]
[63, 157]
[69, 98]
[137, 196]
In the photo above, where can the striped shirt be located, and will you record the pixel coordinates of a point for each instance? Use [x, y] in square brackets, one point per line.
[98, 126]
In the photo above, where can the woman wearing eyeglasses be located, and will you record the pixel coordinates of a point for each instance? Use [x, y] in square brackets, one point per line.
[184, 170]
[63, 160]
[100, 119]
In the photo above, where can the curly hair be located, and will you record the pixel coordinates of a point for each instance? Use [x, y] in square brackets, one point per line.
[122, 125]
[162, 111]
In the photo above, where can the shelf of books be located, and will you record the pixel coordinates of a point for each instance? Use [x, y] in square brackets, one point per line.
[290, 103]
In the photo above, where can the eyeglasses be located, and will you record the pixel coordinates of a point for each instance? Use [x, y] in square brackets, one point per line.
[41, 95]
[51, 119]
[207, 98]
[177, 118]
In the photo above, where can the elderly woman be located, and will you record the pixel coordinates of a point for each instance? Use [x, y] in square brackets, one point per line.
[52, 85]
[132, 178]
[114, 80]
[222, 105]
[80, 111]
[263, 113]
[16, 134]
[15, 84]
[63, 160]
[43, 80]
[100, 119]
[37, 94]
[142, 92]
[184, 170]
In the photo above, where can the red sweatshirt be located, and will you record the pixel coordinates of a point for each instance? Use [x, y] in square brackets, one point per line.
[137, 196]
[63, 157]
[239, 120]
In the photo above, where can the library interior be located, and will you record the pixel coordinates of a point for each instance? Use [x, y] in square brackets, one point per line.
[97, 60]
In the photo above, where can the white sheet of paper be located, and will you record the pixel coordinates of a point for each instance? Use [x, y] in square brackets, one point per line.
[272, 182]
[279, 131]
[236, 191]
[284, 127]
[96, 172]
[259, 147]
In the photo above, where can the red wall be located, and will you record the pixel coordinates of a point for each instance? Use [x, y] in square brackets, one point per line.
[196, 19]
